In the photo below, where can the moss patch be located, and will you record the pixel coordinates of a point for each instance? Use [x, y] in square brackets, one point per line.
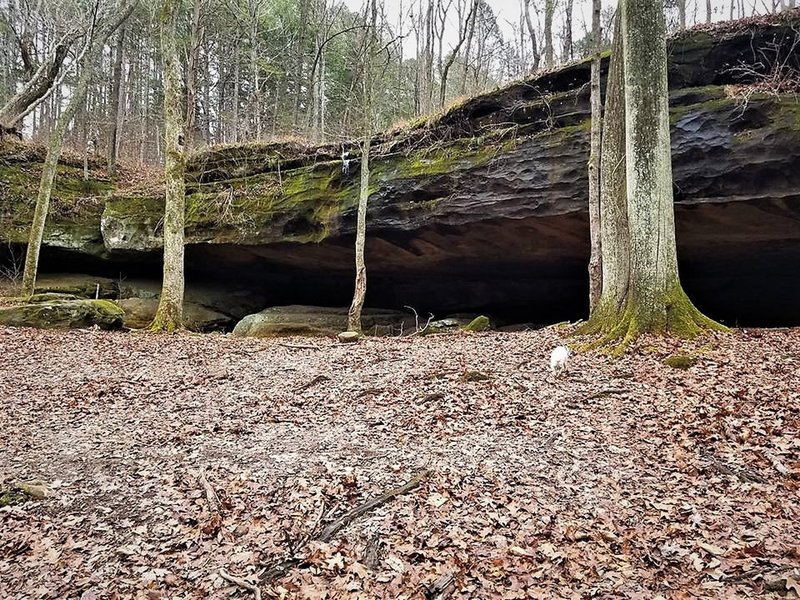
[480, 323]
[680, 361]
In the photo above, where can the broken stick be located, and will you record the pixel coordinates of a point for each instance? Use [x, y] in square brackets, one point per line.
[252, 587]
[279, 568]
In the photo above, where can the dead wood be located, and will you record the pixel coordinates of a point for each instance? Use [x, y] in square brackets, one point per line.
[241, 583]
[441, 588]
[296, 559]
[301, 346]
[313, 382]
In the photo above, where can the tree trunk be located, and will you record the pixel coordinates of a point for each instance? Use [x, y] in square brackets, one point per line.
[655, 301]
[537, 57]
[360, 291]
[116, 97]
[568, 49]
[454, 54]
[595, 274]
[549, 9]
[89, 57]
[192, 67]
[708, 11]
[48, 175]
[35, 90]
[681, 14]
[169, 315]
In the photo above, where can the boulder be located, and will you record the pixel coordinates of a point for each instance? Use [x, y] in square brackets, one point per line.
[349, 337]
[76, 284]
[139, 313]
[480, 323]
[315, 320]
[62, 312]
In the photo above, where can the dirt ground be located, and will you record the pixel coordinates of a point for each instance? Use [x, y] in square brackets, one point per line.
[168, 460]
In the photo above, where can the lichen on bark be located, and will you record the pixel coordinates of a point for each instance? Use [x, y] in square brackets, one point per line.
[642, 292]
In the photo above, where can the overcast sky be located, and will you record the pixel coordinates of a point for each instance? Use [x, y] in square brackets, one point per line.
[508, 11]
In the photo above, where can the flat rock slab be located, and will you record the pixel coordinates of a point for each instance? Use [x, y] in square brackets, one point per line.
[315, 320]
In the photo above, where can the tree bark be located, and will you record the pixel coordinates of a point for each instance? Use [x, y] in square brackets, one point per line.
[36, 89]
[169, 315]
[454, 54]
[116, 98]
[568, 48]
[549, 10]
[360, 291]
[88, 58]
[595, 273]
[681, 14]
[537, 57]
[655, 301]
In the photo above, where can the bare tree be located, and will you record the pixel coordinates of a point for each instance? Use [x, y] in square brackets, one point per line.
[100, 29]
[360, 291]
[169, 315]
[595, 272]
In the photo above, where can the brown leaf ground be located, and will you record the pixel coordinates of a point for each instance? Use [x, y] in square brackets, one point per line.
[624, 479]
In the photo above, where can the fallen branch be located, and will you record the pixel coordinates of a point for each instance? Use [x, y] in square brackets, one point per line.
[295, 559]
[300, 346]
[211, 496]
[241, 583]
[369, 505]
[313, 382]
[441, 588]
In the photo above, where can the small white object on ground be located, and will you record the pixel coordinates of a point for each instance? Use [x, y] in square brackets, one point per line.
[558, 359]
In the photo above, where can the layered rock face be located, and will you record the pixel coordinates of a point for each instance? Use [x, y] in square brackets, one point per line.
[484, 208]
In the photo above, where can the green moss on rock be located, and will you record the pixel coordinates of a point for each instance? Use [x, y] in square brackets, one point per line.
[680, 361]
[480, 323]
[62, 313]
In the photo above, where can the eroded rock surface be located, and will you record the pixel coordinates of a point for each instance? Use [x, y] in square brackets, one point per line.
[481, 209]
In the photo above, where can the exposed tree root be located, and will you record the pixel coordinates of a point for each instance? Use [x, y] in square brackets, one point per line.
[674, 315]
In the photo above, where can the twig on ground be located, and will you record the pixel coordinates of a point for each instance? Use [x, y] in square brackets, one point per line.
[214, 504]
[313, 382]
[301, 346]
[241, 583]
[441, 588]
[294, 558]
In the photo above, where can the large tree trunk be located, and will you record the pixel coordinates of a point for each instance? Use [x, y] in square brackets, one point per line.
[169, 315]
[614, 233]
[655, 300]
[595, 274]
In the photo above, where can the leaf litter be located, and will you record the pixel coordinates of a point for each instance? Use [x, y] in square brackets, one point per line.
[177, 466]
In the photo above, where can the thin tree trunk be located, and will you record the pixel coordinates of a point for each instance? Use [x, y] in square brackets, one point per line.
[169, 316]
[568, 49]
[88, 58]
[537, 57]
[595, 273]
[549, 10]
[454, 54]
[708, 11]
[681, 14]
[48, 175]
[192, 66]
[360, 291]
[116, 99]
